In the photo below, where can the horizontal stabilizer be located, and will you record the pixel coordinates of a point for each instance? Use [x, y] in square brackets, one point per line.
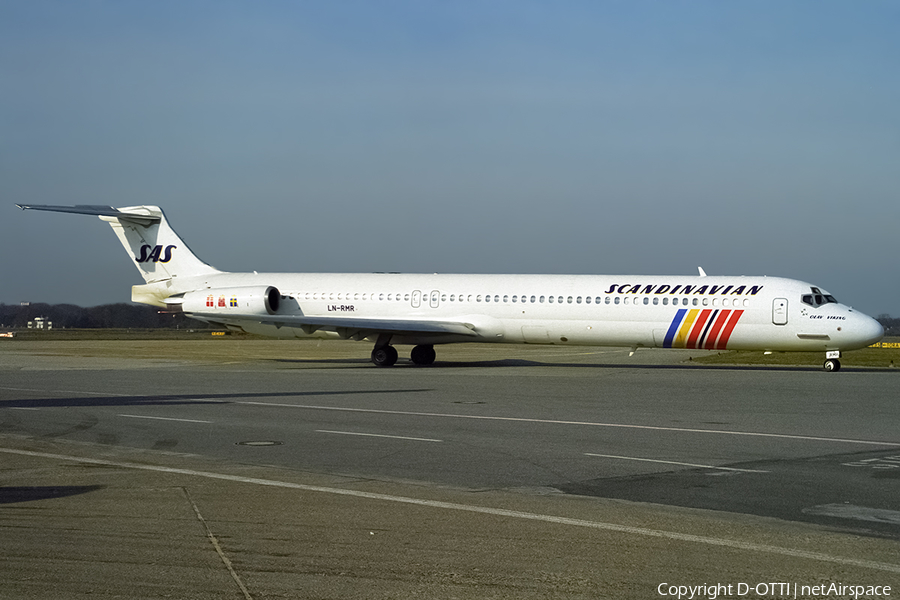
[99, 211]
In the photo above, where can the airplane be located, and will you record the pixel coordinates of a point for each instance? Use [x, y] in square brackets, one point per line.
[770, 314]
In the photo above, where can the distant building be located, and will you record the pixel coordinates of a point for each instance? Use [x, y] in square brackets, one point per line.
[40, 323]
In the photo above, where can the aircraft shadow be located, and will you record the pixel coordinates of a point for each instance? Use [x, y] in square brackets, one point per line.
[518, 362]
[11, 495]
[179, 399]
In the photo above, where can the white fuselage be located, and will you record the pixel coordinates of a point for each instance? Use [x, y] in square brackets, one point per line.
[760, 313]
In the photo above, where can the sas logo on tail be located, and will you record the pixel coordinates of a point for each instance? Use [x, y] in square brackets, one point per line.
[699, 329]
[151, 253]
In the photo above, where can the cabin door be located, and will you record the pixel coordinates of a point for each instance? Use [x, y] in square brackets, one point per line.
[779, 311]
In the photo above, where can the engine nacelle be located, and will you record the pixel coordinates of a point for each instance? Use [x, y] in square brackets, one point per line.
[257, 300]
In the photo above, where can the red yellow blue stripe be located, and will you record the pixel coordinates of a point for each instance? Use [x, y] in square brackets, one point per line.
[701, 328]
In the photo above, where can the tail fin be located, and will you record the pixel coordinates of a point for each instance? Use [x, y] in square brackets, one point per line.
[155, 249]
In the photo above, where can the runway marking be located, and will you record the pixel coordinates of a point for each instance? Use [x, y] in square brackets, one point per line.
[21, 408]
[514, 419]
[670, 462]
[217, 546]
[393, 437]
[498, 512]
[560, 422]
[860, 513]
[164, 419]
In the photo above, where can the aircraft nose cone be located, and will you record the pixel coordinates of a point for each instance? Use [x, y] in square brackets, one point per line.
[868, 330]
[871, 330]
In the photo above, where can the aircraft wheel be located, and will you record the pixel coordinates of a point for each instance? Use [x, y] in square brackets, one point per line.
[422, 355]
[832, 364]
[385, 356]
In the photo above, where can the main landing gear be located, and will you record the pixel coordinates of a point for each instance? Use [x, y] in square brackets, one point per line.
[422, 355]
[385, 355]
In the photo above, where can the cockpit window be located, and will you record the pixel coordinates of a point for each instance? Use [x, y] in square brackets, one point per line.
[817, 298]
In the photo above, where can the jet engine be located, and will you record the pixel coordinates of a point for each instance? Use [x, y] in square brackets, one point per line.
[257, 300]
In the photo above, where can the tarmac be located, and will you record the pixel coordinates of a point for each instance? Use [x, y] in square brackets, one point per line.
[230, 469]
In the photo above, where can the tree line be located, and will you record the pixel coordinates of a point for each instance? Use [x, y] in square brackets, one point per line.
[890, 324]
[117, 316]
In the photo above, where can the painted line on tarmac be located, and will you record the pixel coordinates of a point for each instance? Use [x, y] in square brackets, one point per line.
[671, 462]
[498, 512]
[582, 423]
[378, 435]
[164, 419]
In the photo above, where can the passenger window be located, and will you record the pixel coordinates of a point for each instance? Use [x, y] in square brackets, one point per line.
[587, 299]
[550, 299]
[656, 301]
[665, 301]
[505, 299]
[478, 298]
[532, 299]
[443, 297]
[487, 298]
[617, 299]
[541, 300]
[514, 299]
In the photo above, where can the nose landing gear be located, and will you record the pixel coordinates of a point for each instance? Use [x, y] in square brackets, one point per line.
[831, 361]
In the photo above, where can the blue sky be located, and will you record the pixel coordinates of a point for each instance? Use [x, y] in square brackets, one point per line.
[756, 138]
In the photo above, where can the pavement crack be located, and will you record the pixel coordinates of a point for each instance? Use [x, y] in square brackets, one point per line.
[215, 542]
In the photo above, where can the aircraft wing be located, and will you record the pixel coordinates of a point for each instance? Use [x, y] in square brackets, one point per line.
[359, 328]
